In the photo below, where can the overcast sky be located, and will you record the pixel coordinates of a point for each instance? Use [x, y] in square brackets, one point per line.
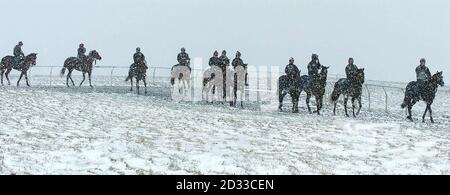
[386, 37]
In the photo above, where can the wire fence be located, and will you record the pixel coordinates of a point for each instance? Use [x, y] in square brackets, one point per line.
[377, 95]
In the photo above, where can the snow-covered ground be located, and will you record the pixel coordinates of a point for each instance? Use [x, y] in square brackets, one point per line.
[107, 130]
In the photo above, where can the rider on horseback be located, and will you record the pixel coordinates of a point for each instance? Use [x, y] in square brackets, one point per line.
[183, 58]
[423, 75]
[82, 52]
[351, 70]
[139, 58]
[238, 62]
[292, 71]
[313, 68]
[214, 61]
[18, 53]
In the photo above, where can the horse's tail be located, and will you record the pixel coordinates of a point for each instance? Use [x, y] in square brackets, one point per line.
[406, 102]
[336, 93]
[63, 70]
[128, 78]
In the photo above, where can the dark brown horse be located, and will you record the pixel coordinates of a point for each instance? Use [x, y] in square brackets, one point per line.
[315, 88]
[427, 94]
[348, 89]
[7, 64]
[74, 63]
[138, 71]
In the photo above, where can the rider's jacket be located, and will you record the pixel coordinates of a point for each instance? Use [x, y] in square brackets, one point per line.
[18, 53]
[138, 57]
[350, 71]
[183, 59]
[313, 68]
[292, 71]
[238, 62]
[224, 61]
[423, 73]
[81, 52]
[214, 61]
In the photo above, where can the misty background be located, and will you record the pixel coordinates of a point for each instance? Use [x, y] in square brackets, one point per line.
[386, 37]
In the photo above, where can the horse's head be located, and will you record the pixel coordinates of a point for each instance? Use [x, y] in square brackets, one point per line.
[31, 58]
[360, 75]
[94, 54]
[324, 72]
[438, 79]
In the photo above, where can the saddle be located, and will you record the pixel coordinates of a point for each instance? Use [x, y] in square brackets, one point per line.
[18, 63]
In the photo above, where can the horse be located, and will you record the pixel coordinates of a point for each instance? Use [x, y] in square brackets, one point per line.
[348, 89]
[138, 71]
[72, 63]
[240, 73]
[7, 64]
[428, 93]
[315, 88]
[291, 86]
[183, 75]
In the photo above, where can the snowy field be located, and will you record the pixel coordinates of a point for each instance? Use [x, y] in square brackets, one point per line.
[107, 130]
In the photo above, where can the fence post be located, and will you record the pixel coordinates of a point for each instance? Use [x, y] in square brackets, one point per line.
[111, 76]
[51, 74]
[368, 94]
[386, 98]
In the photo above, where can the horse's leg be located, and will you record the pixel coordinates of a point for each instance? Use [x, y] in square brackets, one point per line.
[360, 105]
[334, 108]
[295, 97]
[26, 78]
[7, 75]
[70, 77]
[2, 72]
[308, 97]
[431, 113]
[345, 106]
[137, 86]
[84, 78]
[424, 114]
[353, 106]
[145, 85]
[18, 81]
[318, 105]
[409, 112]
[131, 80]
[242, 98]
[281, 95]
[89, 75]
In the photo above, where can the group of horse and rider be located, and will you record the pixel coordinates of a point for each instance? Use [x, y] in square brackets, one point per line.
[424, 88]
[313, 84]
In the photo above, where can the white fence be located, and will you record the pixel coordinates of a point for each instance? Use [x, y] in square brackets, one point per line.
[377, 95]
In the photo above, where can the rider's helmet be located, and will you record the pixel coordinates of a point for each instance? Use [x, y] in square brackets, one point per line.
[422, 60]
[224, 52]
[238, 54]
[350, 60]
[291, 60]
[183, 49]
[314, 56]
[216, 53]
[81, 45]
[138, 49]
[20, 43]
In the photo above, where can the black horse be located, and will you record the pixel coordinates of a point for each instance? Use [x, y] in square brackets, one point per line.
[72, 63]
[7, 64]
[315, 88]
[293, 87]
[413, 94]
[348, 89]
[138, 71]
